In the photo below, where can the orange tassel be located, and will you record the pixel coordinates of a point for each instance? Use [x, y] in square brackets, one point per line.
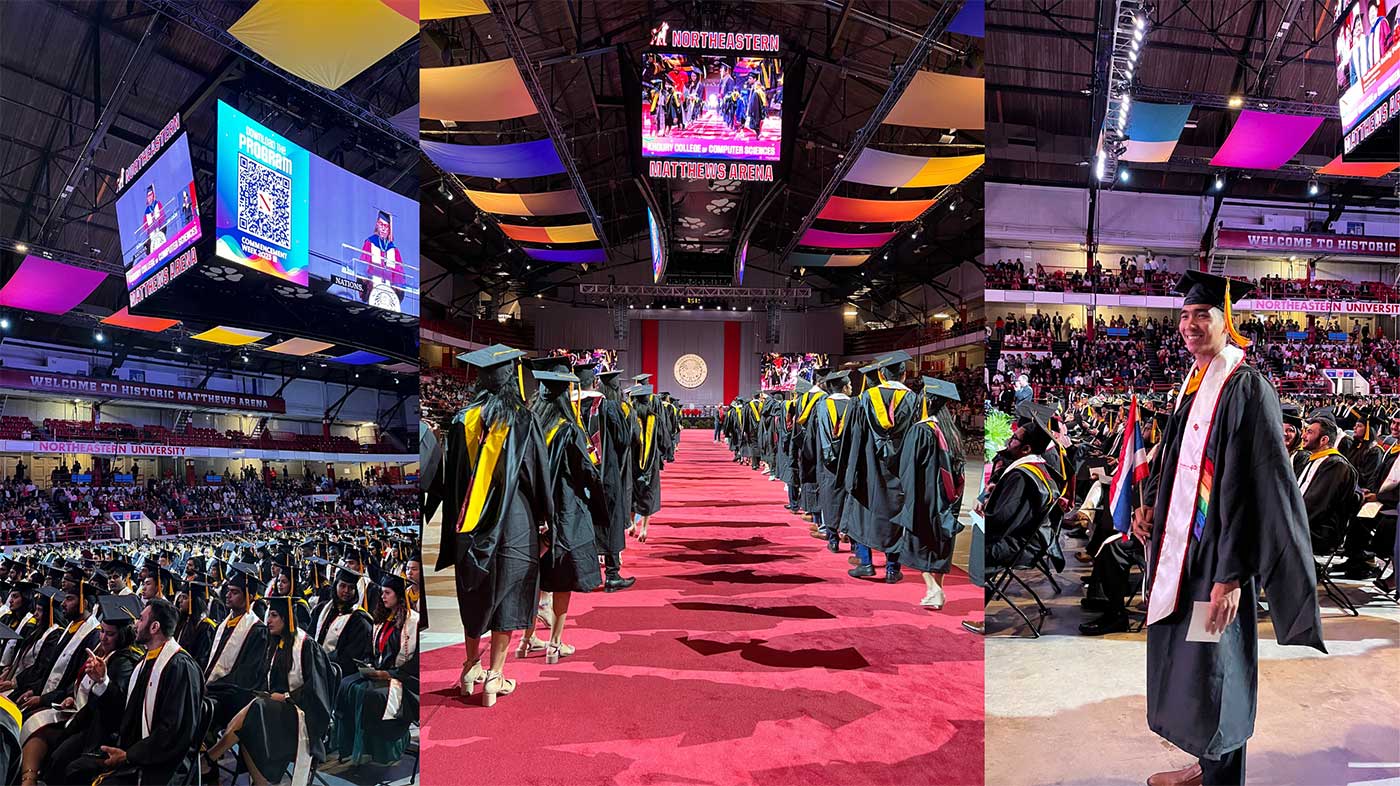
[1230, 321]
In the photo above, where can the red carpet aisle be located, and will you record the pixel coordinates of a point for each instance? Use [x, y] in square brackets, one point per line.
[743, 655]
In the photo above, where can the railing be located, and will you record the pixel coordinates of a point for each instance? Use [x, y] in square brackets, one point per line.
[27, 534]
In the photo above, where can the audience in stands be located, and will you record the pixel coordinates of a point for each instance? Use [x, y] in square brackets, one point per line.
[1150, 277]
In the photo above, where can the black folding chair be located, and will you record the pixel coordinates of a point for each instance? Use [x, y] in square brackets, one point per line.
[1000, 579]
[1330, 588]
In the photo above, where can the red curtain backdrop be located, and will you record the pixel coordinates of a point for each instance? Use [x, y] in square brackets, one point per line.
[649, 350]
[731, 360]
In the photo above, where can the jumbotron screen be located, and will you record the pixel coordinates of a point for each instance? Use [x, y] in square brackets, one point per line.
[287, 213]
[1368, 73]
[605, 358]
[158, 212]
[780, 371]
[721, 107]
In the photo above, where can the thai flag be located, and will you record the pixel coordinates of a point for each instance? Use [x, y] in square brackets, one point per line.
[1132, 470]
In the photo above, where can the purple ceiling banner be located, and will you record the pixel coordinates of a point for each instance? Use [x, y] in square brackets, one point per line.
[406, 121]
[578, 257]
[1261, 140]
[49, 287]
[523, 159]
[820, 238]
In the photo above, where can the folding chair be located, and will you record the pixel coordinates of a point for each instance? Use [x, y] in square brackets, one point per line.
[1000, 579]
[1329, 586]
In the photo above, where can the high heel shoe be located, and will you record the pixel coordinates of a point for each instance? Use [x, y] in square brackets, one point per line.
[553, 652]
[528, 645]
[496, 685]
[466, 683]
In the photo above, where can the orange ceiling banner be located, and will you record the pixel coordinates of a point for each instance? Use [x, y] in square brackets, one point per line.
[935, 100]
[578, 233]
[874, 210]
[1358, 169]
[126, 319]
[475, 93]
[324, 45]
[546, 203]
[299, 347]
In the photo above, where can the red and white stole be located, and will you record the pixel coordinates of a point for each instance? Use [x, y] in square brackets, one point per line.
[337, 626]
[1188, 492]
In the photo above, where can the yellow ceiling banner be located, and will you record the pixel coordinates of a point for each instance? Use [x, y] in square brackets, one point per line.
[547, 203]
[945, 171]
[447, 9]
[475, 93]
[229, 336]
[325, 42]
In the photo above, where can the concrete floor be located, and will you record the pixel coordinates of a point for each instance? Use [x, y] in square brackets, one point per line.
[1322, 719]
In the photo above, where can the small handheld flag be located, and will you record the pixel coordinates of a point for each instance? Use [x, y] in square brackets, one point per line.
[1132, 470]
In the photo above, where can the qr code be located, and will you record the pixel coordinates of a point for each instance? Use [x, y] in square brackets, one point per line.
[264, 202]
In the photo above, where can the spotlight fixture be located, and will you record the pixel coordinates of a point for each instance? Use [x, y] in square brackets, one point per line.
[1123, 175]
[1130, 30]
[4, 323]
[179, 350]
[98, 337]
[1313, 188]
[1236, 102]
[21, 247]
[1218, 184]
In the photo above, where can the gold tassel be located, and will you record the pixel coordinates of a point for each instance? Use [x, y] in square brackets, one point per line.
[1230, 321]
[520, 377]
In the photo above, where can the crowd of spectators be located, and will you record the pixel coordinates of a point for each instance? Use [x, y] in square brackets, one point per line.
[1150, 276]
[66, 511]
[441, 395]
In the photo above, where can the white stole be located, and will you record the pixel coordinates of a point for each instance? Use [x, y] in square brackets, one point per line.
[408, 644]
[1181, 507]
[12, 647]
[1310, 472]
[148, 705]
[337, 627]
[32, 654]
[1392, 478]
[301, 767]
[229, 656]
[66, 655]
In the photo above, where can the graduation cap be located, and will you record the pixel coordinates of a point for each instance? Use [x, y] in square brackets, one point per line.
[1327, 419]
[7, 633]
[390, 580]
[641, 379]
[1197, 288]
[585, 372]
[351, 577]
[640, 391]
[1037, 418]
[560, 363]
[119, 609]
[285, 607]
[556, 381]
[894, 358]
[609, 376]
[490, 357]
[802, 386]
[1292, 415]
[245, 577]
[838, 376]
[941, 388]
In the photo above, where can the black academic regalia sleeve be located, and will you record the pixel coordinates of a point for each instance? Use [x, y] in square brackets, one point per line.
[1012, 510]
[106, 709]
[73, 672]
[1264, 524]
[176, 713]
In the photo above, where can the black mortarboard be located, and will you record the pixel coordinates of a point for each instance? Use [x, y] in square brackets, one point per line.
[555, 380]
[1327, 419]
[893, 358]
[285, 606]
[640, 378]
[639, 391]
[558, 363]
[838, 376]
[941, 388]
[585, 372]
[7, 633]
[119, 609]
[803, 386]
[609, 376]
[490, 357]
[1037, 417]
[1292, 415]
[1199, 288]
[245, 577]
[389, 580]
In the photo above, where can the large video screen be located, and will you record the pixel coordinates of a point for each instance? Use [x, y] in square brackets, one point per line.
[364, 240]
[719, 107]
[287, 213]
[158, 213]
[780, 371]
[1368, 72]
[605, 358]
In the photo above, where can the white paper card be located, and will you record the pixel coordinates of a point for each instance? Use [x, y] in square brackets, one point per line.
[1196, 631]
[1369, 511]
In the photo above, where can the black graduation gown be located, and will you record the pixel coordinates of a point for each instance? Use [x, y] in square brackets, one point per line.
[780, 425]
[825, 442]
[74, 669]
[931, 485]
[1331, 499]
[646, 486]
[269, 731]
[98, 722]
[570, 563]
[872, 466]
[851, 508]
[1014, 513]
[360, 703]
[497, 562]
[353, 643]
[9, 747]
[750, 429]
[613, 441]
[159, 757]
[197, 638]
[1366, 458]
[234, 690]
[805, 449]
[1201, 697]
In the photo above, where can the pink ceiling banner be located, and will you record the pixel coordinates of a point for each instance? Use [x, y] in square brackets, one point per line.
[1262, 140]
[49, 287]
[820, 238]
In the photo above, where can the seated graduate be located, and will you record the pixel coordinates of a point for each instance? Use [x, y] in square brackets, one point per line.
[376, 703]
[194, 629]
[54, 738]
[341, 626]
[285, 586]
[160, 714]
[9, 733]
[39, 688]
[20, 617]
[39, 646]
[1329, 484]
[1024, 493]
[284, 726]
[238, 660]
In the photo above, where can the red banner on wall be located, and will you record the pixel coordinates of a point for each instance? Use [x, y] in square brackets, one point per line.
[1307, 242]
[67, 385]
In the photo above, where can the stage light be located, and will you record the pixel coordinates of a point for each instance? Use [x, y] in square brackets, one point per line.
[631, 306]
[357, 375]
[4, 323]
[1099, 163]
[98, 337]
[303, 368]
[1313, 187]
[179, 350]
[750, 308]
[1137, 37]
[1123, 175]
[21, 247]
[1236, 102]
[1219, 183]
[1139, 23]
[1132, 56]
